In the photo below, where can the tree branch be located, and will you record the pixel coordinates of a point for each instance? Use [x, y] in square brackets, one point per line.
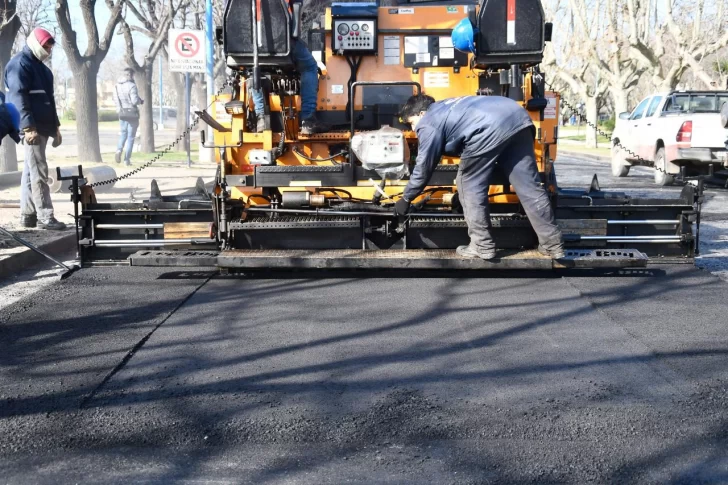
[68, 35]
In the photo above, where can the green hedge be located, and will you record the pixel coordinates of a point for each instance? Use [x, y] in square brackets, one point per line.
[104, 115]
[108, 115]
[608, 125]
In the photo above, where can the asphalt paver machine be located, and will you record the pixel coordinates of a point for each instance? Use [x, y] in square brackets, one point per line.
[282, 199]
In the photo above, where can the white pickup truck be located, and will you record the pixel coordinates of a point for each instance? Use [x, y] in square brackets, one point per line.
[669, 130]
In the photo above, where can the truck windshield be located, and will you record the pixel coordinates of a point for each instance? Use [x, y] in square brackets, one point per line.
[696, 103]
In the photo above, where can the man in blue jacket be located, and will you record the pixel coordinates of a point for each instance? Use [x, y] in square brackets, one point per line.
[9, 120]
[482, 131]
[29, 85]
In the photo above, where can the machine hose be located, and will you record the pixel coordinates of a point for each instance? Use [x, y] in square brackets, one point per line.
[328, 159]
[358, 206]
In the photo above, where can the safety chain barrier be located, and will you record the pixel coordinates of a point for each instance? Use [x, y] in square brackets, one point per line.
[608, 135]
[228, 82]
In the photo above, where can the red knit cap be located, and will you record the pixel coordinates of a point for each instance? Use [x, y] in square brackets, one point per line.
[43, 36]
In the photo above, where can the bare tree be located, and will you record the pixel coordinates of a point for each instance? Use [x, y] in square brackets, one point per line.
[593, 33]
[681, 42]
[635, 46]
[86, 68]
[9, 26]
[578, 61]
[184, 19]
[32, 14]
[155, 17]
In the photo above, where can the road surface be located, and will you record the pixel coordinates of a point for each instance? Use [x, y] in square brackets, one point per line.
[121, 375]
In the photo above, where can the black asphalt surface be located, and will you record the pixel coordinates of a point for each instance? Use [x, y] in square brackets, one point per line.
[121, 375]
[143, 375]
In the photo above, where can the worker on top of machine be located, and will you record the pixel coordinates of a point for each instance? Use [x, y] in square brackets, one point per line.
[482, 131]
[307, 67]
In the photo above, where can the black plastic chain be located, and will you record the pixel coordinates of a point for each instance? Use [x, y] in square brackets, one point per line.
[608, 135]
[228, 82]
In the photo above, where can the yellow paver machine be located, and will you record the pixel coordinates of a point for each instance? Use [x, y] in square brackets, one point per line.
[282, 199]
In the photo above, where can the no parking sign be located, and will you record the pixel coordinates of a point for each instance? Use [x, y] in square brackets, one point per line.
[186, 50]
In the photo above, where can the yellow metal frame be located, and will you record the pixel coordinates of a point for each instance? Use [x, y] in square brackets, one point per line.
[372, 68]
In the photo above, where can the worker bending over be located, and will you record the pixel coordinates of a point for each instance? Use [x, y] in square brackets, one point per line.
[482, 131]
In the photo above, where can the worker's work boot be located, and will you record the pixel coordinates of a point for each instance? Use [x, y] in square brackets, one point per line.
[557, 253]
[52, 224]
[471, 251]
[312, 125]
[28, 220]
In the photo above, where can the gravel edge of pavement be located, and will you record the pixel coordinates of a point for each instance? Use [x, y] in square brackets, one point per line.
[10, 179]
[589, 156]
[25, 259]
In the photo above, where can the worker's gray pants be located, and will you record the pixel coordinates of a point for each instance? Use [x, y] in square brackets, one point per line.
[517, 160]
[35, 196]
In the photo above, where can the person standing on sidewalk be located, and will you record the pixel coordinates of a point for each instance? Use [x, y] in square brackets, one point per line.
[126, 97]
[29, 85]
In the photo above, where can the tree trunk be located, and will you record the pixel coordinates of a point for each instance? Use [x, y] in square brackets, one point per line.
[146, 112]
[8, 155]
[201, 104]
[87, 117]
[592, 114]
[621, 101]
[178, 80]
[201, 93]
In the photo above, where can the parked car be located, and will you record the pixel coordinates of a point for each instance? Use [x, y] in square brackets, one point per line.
[669, 130]
[169, 113]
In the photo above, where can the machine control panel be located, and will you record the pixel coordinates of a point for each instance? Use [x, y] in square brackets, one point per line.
[354, 35]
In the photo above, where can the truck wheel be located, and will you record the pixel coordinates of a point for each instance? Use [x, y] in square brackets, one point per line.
[661, 176]
[620, 166]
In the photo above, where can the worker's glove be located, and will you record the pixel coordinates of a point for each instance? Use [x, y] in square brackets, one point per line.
[31, 136]
[57, 139]
[401, 207]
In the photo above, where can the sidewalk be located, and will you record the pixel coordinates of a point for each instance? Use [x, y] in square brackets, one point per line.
[172, 175]
[108, 139]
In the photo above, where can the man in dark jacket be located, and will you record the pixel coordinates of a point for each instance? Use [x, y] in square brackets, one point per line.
[481, 130]
[29, 85]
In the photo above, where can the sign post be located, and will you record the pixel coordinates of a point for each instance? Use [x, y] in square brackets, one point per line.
[209, 28]
[187, 117]
[187, 54]
[161, 96]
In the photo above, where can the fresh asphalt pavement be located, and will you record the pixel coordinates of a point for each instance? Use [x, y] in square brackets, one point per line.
[162, 375]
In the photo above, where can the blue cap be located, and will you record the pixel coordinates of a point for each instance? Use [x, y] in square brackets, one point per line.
[463, 36]
[14, 115]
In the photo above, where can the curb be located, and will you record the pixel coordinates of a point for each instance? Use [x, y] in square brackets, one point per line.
[10, 179]
[588, 156]
[25, 259]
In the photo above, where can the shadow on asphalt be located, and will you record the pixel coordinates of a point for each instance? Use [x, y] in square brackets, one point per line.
[200, 334]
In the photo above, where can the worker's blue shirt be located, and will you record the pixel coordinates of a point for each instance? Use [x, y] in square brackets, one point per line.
[465, 127]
